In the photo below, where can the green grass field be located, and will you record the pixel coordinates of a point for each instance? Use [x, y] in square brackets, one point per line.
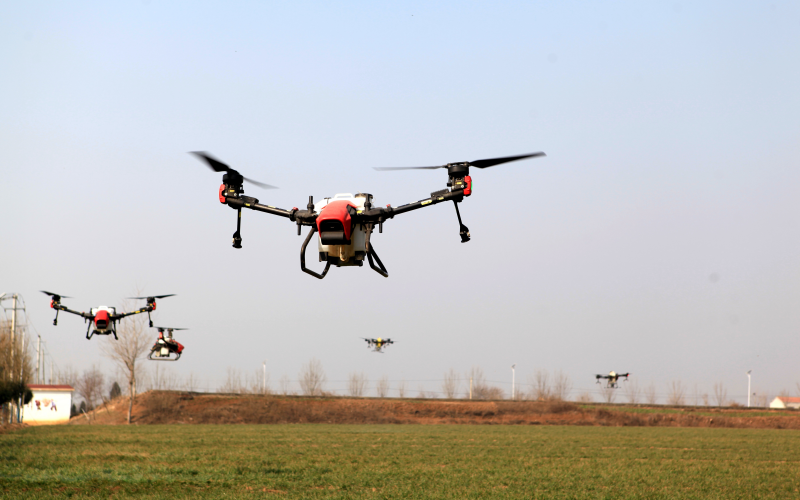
[400, 461]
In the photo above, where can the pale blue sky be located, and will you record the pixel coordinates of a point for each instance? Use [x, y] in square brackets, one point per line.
[672, 132]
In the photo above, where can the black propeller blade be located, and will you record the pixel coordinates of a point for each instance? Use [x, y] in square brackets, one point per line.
[490, 162]
[153, 297]
[218, 166]
[55, 295]
[162, 328]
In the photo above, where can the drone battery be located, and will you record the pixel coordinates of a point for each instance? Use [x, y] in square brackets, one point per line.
[164, 352]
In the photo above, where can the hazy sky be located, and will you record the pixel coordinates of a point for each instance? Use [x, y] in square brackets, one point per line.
[659, 236]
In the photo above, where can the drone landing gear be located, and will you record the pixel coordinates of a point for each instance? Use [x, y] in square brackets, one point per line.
[463, 230]
[237, 237]
[159, 357]
[303, 257]
[371, 253]
[55, 321]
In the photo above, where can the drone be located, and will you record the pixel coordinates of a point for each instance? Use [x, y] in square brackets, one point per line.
[613, 378]
[345, 222]
[165, 346]
[378, 343]
[103, 319]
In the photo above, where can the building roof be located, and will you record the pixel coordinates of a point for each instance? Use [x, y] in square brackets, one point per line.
[787, 399]
[44, 387]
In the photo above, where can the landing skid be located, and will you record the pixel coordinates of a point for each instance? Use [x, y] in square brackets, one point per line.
[162, 358]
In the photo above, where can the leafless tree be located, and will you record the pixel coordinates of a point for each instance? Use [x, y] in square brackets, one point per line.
[382, 388]
[67, 375]
[676, 392]
[90, 387]
[233, 382]
[191, 383]
[760, 400]
[312, 378]
[720, 393]
[478, 383]
[540, 385]
[286, 385]
[705, 399]
[562, 386]
[162, 379]
[585, 397]
[126, 352]
[631, 390]
[357, 384]
[450, 384]
[650, 395]
[401, 389]
[258, 382]
[421, 394]
[608, 393]
[493, 393]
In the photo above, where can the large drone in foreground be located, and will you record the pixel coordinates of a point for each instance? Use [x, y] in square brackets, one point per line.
[103, 319]
[345, 222]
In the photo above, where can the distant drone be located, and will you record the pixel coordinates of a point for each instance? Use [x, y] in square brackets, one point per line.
[166, 346]
[346, 221]
[103, 319]
[378, 344]
[612, 378]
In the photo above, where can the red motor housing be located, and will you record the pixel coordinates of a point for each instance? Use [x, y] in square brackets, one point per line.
[334, 223]
[222, 193]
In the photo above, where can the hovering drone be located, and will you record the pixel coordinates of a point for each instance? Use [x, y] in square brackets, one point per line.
[378, 343]
[345, 222]
[166, 346]
[103, 319]
[613, 378]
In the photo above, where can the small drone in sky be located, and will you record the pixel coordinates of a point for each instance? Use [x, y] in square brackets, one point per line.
[166, 346]
[378, 344]
[612, 378]
[103, 319]
[345, 222]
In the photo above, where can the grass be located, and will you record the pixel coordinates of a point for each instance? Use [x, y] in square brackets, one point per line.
[398, 461]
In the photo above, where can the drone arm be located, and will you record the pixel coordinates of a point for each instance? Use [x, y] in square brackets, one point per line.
[59, 307]
[380, 214]
[253, 204]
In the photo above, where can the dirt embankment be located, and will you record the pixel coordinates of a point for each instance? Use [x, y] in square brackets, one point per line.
[167, 407]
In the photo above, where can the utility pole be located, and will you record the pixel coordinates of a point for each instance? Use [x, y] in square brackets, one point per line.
[38, 355]
[513, 380]
[264, 380]
[748, 387]
[470, 387]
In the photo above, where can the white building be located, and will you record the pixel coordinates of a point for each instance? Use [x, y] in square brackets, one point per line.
[785, 402]
[51, 404]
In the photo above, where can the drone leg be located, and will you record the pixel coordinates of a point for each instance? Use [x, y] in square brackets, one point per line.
[88, 332]
[55, 321]
[381, 270]
[237, 237]
[150, 319]
[464, 230]
[114, 331]
[303, 257]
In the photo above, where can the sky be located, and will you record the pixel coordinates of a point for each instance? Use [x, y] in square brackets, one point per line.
[659, 236]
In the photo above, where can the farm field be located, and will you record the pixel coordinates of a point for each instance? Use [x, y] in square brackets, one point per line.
[398, 461]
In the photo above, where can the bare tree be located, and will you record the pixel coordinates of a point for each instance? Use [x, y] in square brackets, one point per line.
[705, 399]
[90, 387]
[676, 392]
[382, 388]
[477, 383]
[585, 397]
[720, 393]
[233, 382]
[191, 383]
[128, 350]
[540, 385]
[608, 393]
[631, 391]
[357, 384]
[67, 375]
[450, 384]
[286, 385]
[421, 394]
[312, 378]
[162, 379]
[562, 385]
[650, 394]
[401, 389]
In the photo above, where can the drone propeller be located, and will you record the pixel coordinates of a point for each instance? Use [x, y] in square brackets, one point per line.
[55, 295]
[153, 297]
[490, 162]
[168, 328]
[218, 166]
